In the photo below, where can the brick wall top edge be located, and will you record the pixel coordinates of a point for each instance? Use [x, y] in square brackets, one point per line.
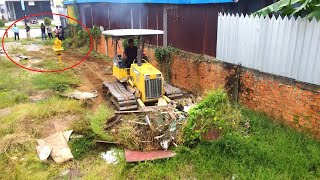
[212, 60]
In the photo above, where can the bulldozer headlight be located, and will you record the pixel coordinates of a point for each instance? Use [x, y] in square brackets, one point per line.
[158, 75]
[147, 77]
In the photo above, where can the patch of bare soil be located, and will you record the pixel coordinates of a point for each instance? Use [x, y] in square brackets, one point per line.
[93, 72]
[40, 95]
[57, 124]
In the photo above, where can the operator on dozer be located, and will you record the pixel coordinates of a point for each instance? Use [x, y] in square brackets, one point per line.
[130, 53]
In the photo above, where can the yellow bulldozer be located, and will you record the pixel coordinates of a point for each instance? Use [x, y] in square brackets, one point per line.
[140, 84]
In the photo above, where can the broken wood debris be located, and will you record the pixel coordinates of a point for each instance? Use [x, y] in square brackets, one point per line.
[112, 121]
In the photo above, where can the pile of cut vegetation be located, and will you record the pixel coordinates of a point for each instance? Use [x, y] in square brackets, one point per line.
[207, 120]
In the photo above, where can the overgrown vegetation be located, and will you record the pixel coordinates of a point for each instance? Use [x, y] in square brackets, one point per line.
[271, 151]
[96, 34]
[214, 113]
[79, 37]
[164, 58]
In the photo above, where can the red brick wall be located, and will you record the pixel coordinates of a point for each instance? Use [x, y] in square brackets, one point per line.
[297, 104]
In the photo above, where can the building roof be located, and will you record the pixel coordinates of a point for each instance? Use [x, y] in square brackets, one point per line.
[152, 1]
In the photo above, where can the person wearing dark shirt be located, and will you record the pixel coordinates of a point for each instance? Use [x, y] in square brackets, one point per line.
[61, 33]
[130, 53]
[43, 32]
[27, 30]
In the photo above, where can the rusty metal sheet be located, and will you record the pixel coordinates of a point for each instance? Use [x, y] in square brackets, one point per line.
[138, 156]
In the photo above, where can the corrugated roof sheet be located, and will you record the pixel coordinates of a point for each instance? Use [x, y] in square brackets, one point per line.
[152, 1]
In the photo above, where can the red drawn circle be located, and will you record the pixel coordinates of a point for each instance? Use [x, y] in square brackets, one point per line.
[58, 70]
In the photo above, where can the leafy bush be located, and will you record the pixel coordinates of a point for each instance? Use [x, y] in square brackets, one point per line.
[47, 21]
[164, 54]
[214, 111]
[164, 58]
[2, 23]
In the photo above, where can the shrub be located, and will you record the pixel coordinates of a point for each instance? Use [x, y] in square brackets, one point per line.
[213, 112]
[2, 23]
[164, 58]
[47, 21]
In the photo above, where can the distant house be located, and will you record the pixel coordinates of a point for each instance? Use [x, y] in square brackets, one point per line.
[189, 25]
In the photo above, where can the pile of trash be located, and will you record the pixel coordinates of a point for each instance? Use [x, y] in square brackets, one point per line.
[153, 128]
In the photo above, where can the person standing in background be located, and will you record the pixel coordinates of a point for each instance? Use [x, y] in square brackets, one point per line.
[15, 30]
[56, 32]
[27, 30]
[43, 31]
[61, 33]
[49, 31]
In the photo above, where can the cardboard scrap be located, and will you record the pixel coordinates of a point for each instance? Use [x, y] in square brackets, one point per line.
[55, 145]
[137, 156]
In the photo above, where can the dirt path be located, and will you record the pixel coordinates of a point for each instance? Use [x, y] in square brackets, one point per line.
[93, 72]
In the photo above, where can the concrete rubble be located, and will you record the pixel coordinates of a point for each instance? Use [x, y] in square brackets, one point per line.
[55, 146]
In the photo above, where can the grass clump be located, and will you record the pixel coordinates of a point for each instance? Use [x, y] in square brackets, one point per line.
[98, 120]
[80, 147]
[55, 81]
[213, 112]
[12, 97]
[13, 141]
[17, 50]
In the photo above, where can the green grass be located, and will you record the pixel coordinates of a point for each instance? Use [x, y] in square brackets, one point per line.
[80, 147]
[98, 120]
[16, 49]
[12, 97]
[59, 81]
[13, 77]
[272, 151]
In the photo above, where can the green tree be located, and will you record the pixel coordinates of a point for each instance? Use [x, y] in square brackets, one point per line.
[302, 8]
[47, 21]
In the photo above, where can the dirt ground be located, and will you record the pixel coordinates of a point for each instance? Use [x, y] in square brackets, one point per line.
[93, 72]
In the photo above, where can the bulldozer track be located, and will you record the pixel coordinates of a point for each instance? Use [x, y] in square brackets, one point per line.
[172, 92]
[119, 96]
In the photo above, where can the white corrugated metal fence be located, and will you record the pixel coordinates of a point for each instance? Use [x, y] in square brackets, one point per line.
[280, 46]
